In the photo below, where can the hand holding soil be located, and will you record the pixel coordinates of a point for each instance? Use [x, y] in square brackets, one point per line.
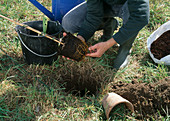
[99, 49]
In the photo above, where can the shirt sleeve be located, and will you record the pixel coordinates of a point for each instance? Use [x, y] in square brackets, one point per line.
[93, 18]
[139, 17]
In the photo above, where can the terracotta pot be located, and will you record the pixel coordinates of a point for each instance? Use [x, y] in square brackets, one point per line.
[113, 99]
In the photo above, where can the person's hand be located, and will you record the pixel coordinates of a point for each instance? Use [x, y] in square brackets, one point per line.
[64, 34]
[99, 49]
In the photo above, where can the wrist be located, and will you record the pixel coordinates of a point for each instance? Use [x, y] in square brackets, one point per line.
[111, 42]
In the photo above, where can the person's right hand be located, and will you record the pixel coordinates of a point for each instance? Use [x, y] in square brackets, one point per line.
[64, 34]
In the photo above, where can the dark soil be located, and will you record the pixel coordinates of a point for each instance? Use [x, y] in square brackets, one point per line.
[161, 46]
[146, 98]
[74, 48]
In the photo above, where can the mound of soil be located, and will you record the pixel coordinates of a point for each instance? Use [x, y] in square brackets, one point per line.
[147, 99]
[161, 46]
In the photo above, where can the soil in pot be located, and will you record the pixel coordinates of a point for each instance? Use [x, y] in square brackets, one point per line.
[74, 48]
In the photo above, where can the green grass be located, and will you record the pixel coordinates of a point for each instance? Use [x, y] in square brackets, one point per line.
[34, 92]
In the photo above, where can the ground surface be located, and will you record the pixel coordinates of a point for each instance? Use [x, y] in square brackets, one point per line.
[146, 98]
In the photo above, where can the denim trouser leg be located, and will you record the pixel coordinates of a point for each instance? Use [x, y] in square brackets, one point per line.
[72, 21]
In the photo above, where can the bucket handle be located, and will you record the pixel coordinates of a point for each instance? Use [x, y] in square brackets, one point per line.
[45, 56]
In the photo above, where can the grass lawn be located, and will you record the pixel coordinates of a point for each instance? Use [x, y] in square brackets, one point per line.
[69, 90]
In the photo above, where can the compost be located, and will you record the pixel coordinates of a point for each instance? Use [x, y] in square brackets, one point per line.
[146, 98]
[161, 46]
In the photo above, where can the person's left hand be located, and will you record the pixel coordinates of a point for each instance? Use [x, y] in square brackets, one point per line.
[99, 49]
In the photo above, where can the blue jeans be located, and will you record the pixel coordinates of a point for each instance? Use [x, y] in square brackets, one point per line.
[72, 20]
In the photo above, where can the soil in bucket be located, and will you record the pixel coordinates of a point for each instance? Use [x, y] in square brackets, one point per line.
[161, 46]
[38, 49]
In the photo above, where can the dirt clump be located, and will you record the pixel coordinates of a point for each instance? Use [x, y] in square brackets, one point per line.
[147, 98]
[161, 46]
[73, 48]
